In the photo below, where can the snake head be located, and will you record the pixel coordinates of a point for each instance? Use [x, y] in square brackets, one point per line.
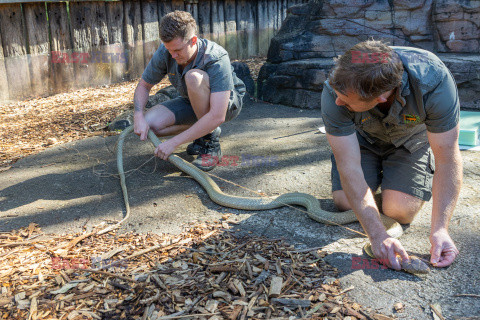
[415, 265]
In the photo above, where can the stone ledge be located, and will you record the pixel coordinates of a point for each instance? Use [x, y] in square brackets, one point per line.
[299, 83]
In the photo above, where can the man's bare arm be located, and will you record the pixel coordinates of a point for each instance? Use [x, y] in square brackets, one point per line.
[348, 158]
[447, 181]
[140, 99]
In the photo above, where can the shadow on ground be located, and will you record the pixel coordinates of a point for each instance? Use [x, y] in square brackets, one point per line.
[75, 185]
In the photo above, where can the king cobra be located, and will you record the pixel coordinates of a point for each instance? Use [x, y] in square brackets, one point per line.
[312, 205]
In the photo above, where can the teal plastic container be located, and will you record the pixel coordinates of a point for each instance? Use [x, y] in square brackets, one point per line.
[469, 128]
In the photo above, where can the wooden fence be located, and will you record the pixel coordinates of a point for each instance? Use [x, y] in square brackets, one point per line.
[51, 47]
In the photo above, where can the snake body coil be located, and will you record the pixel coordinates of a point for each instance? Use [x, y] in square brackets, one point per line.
[251, 203]
[308, 201]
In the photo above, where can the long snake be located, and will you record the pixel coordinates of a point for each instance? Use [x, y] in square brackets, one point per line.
[309, 202]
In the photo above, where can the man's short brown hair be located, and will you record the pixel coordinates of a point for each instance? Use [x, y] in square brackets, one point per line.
[369, 69]
[177, 24]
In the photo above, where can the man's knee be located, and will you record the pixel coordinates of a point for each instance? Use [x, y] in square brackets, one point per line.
[340, 200]
[159, 117]
[400, 206]
[196, 78]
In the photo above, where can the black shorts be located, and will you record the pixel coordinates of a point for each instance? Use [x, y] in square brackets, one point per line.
[184, 114]
[400, 170]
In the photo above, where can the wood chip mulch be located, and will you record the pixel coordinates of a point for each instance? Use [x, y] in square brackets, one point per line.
[30, 126]
[203, 273]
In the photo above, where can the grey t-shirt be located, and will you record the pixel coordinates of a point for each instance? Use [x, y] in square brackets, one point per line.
[427, 99]
[211, 58]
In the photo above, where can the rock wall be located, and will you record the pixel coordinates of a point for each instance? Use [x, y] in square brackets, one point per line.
[300, 55]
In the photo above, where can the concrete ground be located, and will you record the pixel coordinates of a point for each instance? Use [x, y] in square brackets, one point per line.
[280, 150]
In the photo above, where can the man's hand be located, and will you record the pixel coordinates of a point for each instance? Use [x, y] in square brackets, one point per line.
[443, 251]
[140, 99]
[140, 125]
[165, 149]
[389, 250]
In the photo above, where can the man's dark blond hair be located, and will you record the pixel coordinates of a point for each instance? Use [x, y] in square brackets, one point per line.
[177, 24]
[369, 69]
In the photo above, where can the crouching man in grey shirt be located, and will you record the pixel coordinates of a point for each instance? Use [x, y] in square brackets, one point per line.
[210, 92]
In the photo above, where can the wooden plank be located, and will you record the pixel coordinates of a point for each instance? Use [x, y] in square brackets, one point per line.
[242, 29]
[214, 20]
[80, 15]
[36, 20]
[116, 35]
[271, 8]
[230, 29]
[222, 39]
[15, 51]
[252, 29]
[284, 10]
[115, 19]
[195, 10]
[39, 48]
[3, 74]
[178, 5]
[134, 38]
[287, 5]
[218, 22]
[263, 27]
[278, 15]
[204, 19]
[192, 7]
[164, 7]
[150, 29]
[100, 45]
[90, 35]
[61, 44]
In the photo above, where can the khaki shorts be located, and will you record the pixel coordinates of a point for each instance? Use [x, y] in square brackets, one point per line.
[397, 169]
[184, 114]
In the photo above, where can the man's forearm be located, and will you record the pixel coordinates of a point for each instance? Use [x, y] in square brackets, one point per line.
[447, 181]
[140, 98]
[361, 200]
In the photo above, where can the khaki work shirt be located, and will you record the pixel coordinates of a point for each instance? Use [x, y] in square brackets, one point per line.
[427, 99]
